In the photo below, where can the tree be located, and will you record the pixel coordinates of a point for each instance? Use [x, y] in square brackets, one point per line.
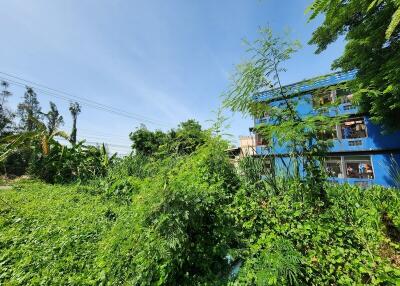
[299, 134]
[187, 137]
[4, 93]
[372, 32]
[54, 119]
[6, 116]
[29, 111]
[182, 141]
[75, 109]
[27, 148]
[146, 142]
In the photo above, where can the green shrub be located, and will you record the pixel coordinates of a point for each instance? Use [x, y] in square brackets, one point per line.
[340, 246]
[177, 231]
[273, 261]
[49, 235]
[65, 164]
[190, 219]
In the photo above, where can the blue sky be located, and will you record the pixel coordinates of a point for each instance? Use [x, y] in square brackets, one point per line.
[167, 61]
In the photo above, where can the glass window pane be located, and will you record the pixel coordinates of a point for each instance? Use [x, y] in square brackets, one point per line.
[260, 141]
[345, 95]
[359, 167]
[333, 167]
[321, 98]
[353, 128]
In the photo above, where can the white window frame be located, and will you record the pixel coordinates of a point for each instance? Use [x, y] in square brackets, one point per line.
[343, 168]
[369, 161]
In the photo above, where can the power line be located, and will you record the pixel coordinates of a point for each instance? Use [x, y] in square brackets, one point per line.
[67, 96]
[92, 133]
[108, 144]
[110, 110]
[99, 137]
[97, 132]
[74, 96]
[94, 143]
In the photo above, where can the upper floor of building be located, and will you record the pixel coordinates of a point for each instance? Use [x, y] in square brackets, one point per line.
[354, 133]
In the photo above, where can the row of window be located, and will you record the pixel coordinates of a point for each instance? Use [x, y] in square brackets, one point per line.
[329, 96]
[351, 128]
[359, 167]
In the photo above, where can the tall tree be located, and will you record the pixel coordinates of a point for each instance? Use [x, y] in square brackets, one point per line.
[299, 134]
[6, 116]
[29, 111]
[372, 32]
[54, 119]
[5, 93]
[75, 109]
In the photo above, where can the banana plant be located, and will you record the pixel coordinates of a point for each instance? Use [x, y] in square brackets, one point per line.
[104, 154]
[13, 142]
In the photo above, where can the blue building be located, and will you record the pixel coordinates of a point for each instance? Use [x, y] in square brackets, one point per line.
[360, 154]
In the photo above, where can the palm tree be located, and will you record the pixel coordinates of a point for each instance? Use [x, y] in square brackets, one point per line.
[4, 93]
[6, 116]
[54, 119]
[75, 109]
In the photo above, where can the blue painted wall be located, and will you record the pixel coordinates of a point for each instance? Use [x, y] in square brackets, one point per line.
[379, 147]
[382, 164]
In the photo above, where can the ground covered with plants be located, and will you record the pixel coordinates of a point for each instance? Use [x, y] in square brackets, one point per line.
[192, 219]
[176, 211]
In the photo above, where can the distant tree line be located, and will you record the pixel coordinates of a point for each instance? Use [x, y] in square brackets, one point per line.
[20, 129]
[29, 115]
[182, 141]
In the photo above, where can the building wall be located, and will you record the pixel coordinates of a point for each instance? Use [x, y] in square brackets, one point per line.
[382, 166]
[247, 145]
[379, 147]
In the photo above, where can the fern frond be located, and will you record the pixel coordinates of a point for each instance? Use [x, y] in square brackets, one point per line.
[393, 24]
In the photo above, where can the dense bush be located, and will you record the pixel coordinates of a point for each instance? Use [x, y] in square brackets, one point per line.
[64, 164]
[192, 220]
[353, 241]
[44, 158]
[16, 164]
[169, 227]
[177, 231]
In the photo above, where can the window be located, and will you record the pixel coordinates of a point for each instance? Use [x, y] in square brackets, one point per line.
[345, 95]
[348, 107]
[260, 141]
[353, 128]
[358, 167]
[321, 98]
[268, 166]
[355, 143]
[328, 134]
[333, 166]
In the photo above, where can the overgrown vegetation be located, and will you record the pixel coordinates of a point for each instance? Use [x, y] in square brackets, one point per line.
[177, 212]
[190, 220]
[372, 32]
[30, 144]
